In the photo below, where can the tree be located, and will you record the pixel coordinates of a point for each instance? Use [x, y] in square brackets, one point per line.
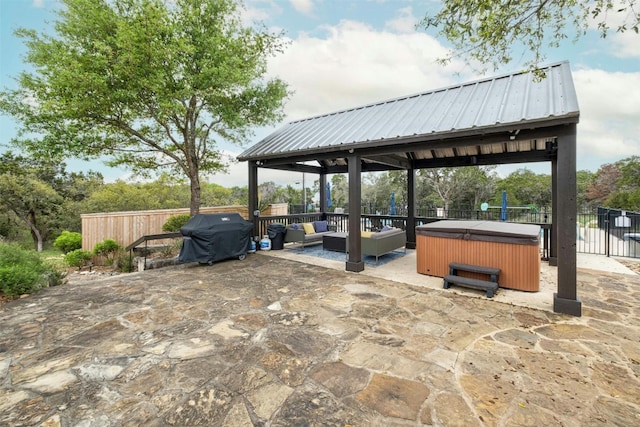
[626, 190]
[32, 201]
[604, 183]
[41, 195]
[476, 184]
[583, 180]
[153, 85]
[524, 188]
[443, 183]
[489, 30]
[339, 190]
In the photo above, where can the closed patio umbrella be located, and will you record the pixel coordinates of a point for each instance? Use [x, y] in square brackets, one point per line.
[393, 203]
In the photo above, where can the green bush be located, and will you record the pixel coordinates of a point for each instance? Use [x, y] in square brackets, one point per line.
[68, 241]
[175, 222]
[107, 249]
[77, 258]
[124, 261]
[22, 271]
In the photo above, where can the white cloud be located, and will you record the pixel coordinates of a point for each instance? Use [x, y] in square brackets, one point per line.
[625, 45]
[303, 6]
[609, 109]
[353, 64]
[259, 10]
[404, 22]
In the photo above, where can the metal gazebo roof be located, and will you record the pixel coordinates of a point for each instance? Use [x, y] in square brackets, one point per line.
[419, 128]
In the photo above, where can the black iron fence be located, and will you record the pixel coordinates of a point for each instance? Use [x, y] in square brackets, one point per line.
[609, 232]
[603, 232]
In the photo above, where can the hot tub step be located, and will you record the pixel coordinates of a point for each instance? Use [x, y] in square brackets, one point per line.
[490, 287]
[492, 272]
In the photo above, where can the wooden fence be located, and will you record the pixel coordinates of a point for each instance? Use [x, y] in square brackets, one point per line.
[126, 227]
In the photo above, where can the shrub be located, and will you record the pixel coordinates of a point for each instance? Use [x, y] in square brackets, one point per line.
[68, 241]
[171, 249]
[124, 261]
[22, 271]
[77, 258]
[175, 222]
[107, 249]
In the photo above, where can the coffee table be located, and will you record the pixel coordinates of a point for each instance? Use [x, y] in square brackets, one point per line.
[336, 242]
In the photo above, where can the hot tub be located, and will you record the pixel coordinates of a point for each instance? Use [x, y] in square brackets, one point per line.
[513, 248]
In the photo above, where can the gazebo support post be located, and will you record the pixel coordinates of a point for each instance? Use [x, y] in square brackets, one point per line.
[566, 299]
[254, 211]
[411, 209]
[553, 244]
[354, 260]
[323, 193]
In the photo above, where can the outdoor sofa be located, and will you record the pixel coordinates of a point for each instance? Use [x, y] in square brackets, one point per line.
[378, 243]
[307, 233]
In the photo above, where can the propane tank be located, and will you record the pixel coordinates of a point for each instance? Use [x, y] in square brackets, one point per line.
[265, 243]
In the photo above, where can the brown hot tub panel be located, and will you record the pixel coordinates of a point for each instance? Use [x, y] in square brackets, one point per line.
[513, 248]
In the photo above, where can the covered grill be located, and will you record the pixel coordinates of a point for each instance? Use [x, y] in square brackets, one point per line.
[214, 237]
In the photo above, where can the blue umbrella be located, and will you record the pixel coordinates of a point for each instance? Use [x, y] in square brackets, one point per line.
[503, 209]
[393, 203]
[329, 204]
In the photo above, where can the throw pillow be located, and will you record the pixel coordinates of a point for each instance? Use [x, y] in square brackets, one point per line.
[308, 228]
[295, 226]
[366, 233]
[320, 226]
[386, 228]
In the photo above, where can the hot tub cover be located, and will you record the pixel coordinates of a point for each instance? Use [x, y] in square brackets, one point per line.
[214, 237]
[487, 231]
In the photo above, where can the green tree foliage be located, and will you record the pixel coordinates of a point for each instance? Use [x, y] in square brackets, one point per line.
[41, 196]
[32, 201]
[583, 180]
[339, 191]
[525, 188]
[488, 31]
[153, 85]
[604, 183]
[618, 185]
[68, 241]
[120, 196]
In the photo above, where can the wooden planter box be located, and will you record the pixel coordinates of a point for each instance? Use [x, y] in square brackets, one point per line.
[513, 248]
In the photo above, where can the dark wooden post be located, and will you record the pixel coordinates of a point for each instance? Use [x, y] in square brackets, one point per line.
[323, 193]
[553, 248]
[411, 209]
[566, 299]
[354, 260]
[254, 212]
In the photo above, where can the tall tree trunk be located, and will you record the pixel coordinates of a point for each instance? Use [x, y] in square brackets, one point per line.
[195, 195]
[35, 233]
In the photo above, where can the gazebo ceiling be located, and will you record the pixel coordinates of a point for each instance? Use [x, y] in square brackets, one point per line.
[512, 118]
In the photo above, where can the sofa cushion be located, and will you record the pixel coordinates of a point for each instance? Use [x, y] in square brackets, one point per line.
[308, 228]
[320, 226]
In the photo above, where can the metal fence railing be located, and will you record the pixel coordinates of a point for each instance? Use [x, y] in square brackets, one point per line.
[602, 232]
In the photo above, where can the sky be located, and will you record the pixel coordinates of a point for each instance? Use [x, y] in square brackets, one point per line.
[346, 53]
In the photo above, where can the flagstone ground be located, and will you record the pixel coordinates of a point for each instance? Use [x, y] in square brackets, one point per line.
[269, 341]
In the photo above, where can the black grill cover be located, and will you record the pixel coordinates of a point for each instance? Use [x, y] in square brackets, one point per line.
[214, 237]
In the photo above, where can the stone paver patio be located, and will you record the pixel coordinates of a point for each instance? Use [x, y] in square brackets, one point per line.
[269, 341]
